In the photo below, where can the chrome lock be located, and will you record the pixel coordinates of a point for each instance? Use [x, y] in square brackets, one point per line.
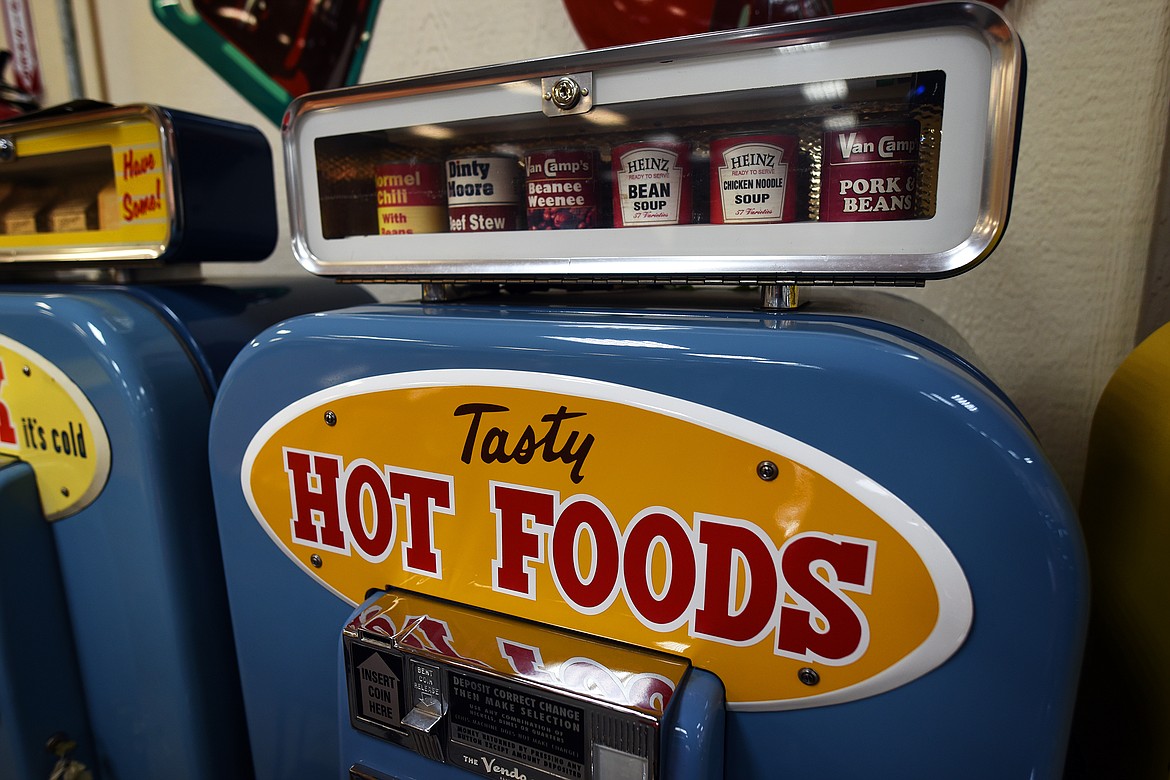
[571, 94]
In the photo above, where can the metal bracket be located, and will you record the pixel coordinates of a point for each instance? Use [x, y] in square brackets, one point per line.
[568, 94]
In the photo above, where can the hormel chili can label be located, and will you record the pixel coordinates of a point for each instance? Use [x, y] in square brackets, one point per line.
[561, 189]
[750, 180]
[653, 184]
[410, 198]
[483, 193]
[870, 174]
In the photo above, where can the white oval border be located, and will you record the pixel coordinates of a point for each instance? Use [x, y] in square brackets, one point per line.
[956, 608]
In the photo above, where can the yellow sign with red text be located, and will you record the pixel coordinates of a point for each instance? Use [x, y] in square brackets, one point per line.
[46, 421]
[618, 512]
[118, 166]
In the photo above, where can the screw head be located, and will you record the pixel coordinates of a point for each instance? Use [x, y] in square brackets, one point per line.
[26, 371]
[767, 470]
[315, 560]
[65, 492]
[566, 93]
[808, 676]
[60, 745]
[330, 418]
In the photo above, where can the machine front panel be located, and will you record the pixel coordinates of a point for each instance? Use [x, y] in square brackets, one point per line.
[911, 424]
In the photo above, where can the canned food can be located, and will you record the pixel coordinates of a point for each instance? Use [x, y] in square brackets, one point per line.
[653, 184]
[750, 179]
[483, 193]
[561, 189]
[870, 173]
[410, 198]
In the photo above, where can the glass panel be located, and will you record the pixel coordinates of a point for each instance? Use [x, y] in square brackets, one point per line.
[65, 192]
[857, 150]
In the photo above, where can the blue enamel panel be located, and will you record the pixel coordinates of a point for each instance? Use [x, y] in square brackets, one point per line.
[904, 411]
[40, 686]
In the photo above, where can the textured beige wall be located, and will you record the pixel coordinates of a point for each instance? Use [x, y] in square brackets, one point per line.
[1054, 310]
[1051, 313]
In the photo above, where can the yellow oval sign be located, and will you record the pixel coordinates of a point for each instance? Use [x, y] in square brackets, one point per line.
[47, 421]
[617, 512]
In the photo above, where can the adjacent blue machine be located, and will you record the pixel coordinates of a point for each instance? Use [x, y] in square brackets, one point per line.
[115, 640]
[569, 517]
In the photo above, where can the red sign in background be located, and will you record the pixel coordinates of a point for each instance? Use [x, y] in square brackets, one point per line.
[26, 67]
[603, 23]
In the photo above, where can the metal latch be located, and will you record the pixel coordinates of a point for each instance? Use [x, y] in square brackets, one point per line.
[430, 704]
[425, 715]
[568, 94]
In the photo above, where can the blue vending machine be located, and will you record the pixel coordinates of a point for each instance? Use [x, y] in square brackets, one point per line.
[116, 654]
[610, 501]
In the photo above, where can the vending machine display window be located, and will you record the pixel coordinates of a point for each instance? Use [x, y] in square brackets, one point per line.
[829, 151]
[132, 186]
[759, 157]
